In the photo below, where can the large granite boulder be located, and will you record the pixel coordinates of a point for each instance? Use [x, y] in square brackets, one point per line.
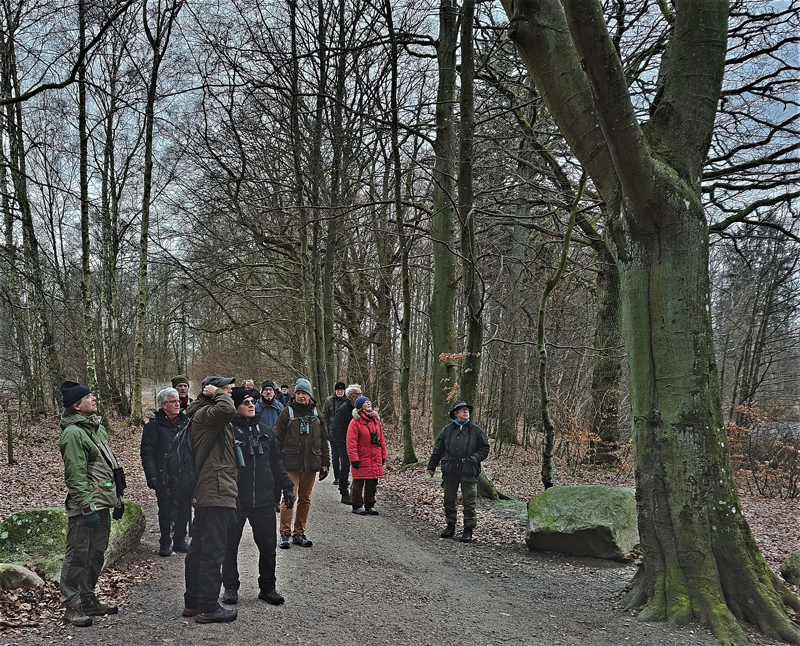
[14, 576]
[584, 521]
[790, 568]
[39, 536]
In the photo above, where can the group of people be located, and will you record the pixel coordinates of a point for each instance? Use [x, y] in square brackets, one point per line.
[254, 455]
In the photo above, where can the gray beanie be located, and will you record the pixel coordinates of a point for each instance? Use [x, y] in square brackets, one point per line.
[304, 385]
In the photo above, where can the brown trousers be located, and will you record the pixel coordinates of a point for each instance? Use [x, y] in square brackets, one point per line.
[303, 484]
[363, 494]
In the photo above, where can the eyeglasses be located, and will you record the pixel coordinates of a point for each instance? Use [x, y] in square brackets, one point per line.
[248, 402]
[173, 401]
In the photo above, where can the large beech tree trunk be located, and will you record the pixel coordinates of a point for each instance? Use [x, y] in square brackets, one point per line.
[700, 558]
[443, 333]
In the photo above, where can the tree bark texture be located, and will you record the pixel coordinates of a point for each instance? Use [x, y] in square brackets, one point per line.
[409, 457]
[443, 294]
[701, 560]
[607, 370]
[472, 281]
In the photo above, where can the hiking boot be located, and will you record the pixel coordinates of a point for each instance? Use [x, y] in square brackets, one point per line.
[180, 546]
[285, 537]
[189, 612]
[220, 615]
[300, 539]
[94, 608]
[372, 511]
[336, 482]
[449, 531]
[466, 536]
[346, 500]
[360, 511]
[76, 616]
[230, 597]
[165, 550]
[271, 596]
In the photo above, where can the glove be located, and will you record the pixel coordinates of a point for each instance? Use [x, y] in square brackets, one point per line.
[323, 473]
[151, 483]
[91, 520]
[355, 464]
[118, 511]
[288, 498]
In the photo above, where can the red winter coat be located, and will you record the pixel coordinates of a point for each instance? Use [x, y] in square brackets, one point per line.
[360, 448]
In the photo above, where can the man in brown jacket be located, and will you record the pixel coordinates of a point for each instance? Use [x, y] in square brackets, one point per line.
[214, 499]
[301, 435]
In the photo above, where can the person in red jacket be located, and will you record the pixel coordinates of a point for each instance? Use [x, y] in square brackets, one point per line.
[366, 451]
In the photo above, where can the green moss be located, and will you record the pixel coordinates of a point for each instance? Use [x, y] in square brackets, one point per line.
[39, 536]
[680, 602]
[133, 515]
[571, 509]
[722, 622]
[36, 536]
[656, 607]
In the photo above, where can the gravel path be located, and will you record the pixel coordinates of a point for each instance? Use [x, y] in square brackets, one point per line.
[391, 580]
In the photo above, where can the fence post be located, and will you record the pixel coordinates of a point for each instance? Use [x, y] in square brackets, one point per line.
[10, 436]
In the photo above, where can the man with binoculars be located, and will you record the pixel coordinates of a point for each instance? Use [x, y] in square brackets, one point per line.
[261, 472]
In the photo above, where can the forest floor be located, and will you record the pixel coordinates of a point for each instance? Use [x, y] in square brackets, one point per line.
[369, 580]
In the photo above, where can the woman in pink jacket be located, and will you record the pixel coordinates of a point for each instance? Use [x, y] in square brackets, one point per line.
[366, 450]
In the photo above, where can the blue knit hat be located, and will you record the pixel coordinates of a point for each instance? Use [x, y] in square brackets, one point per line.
[361, 401]
[72, 392]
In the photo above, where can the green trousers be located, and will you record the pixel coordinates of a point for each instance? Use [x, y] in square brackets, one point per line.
[469, 494]
[86, 549]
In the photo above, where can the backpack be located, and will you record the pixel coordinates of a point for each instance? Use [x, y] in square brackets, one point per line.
[178, 475]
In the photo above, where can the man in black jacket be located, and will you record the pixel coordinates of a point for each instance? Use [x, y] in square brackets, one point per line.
[157, 437]
[338, 434]
[262, 472]
[460, 448]
[329, 409]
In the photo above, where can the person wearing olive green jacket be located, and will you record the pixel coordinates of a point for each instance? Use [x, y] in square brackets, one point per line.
[214, 499]
[92, 493]
[460, 449]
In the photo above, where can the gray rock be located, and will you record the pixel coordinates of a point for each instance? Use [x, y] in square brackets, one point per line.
[14, 576]
[584, 521]
[790, 568]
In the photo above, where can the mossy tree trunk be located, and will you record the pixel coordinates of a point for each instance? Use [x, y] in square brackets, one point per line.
[701, 560]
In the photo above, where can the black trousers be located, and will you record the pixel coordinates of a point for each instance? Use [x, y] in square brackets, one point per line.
[344, 469]
[206, 552]
[335, 459]
[262, 521]
[170, 510]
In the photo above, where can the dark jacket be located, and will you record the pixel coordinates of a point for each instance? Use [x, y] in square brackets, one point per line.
[185, 403]
[216, 483]
[157, 437]
[86, 453]
[302, 453]
[341, 422]
[460, 449]
[329, 408]
[267, 414]
[283, 398]
[263, 471]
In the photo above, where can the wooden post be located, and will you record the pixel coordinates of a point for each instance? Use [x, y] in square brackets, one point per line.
[10, 436]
